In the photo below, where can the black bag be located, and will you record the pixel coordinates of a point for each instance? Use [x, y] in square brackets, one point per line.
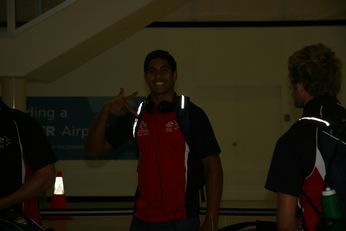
[331, 142]
[332, 145]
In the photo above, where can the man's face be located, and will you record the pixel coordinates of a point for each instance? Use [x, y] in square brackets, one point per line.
[160, 78]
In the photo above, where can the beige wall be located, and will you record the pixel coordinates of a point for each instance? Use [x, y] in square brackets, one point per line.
[238, 75]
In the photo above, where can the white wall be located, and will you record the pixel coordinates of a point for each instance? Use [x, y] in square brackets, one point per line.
[238, 75]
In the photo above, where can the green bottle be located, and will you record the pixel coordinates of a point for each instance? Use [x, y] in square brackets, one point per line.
[331, 204]
[332, 209]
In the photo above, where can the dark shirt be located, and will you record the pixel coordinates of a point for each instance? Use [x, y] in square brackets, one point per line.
[294, 154]
[24, 148]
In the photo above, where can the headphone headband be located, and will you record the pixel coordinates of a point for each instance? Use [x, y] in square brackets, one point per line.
[163, 107]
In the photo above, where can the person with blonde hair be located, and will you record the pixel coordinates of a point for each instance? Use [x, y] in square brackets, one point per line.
[297, 171]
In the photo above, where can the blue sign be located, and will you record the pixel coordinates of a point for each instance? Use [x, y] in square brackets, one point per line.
[66, 121]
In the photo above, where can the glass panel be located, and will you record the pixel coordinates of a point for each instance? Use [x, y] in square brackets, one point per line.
[27, 10]
[3, 15]
[47, 5]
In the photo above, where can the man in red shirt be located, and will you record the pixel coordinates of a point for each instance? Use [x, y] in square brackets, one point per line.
[168, 179]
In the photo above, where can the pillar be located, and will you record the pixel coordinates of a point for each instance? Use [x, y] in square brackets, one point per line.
[14, 93]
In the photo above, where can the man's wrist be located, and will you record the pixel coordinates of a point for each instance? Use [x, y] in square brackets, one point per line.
[212, 216]
[213, 213]
[211, 220]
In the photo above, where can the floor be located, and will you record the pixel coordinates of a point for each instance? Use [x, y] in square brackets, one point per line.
[82, 217]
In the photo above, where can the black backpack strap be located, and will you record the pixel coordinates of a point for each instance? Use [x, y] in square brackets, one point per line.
[184, 120]
[321, 126]
[139, 114]
[183, 115]
[338, 131]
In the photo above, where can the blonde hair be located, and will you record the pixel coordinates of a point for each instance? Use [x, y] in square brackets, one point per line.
[317, 68]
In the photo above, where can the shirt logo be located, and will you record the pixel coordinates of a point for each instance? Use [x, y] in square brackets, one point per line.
[4, 142]
[143, 129]
[171, 126]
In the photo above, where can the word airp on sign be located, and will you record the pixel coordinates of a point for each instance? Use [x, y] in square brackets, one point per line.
[66, 121]
[48, 114]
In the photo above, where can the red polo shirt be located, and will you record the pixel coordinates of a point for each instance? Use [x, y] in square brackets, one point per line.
[162, 172]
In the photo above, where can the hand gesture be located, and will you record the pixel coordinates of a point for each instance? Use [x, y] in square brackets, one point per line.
[119, 104]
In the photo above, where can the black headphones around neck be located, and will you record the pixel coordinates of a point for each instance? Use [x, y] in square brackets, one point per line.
[163, 107]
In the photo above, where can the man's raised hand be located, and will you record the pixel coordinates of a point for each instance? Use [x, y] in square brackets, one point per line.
[119, 104]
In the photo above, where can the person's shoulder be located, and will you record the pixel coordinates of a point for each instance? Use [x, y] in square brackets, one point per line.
[193, 107]
[21, 117]
[302, 125]
[11, 112]
[19, 114]
[196, 112]
[301, 130]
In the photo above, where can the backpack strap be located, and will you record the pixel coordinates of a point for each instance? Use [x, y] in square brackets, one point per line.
[21, 150]
[321, 125]
[184, 121]
[139, 113]
[340, 133]
[184, 117]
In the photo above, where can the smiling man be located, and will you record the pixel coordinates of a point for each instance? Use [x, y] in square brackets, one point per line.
[177, 154]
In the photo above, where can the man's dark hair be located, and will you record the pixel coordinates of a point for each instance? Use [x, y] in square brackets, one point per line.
[318, 68]
[160, 54]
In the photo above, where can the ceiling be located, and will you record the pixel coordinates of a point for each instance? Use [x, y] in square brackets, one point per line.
[255, 10]
[87, 28]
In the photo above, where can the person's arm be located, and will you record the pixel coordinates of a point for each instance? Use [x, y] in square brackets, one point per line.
[286, 212]
[40, 181]
[96, 143]
[214, 183]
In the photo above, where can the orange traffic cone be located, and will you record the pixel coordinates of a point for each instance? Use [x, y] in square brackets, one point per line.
[58, 197]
